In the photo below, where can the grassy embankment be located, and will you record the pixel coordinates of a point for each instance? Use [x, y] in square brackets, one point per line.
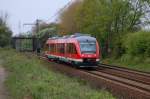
[29, 79]
[135, 52]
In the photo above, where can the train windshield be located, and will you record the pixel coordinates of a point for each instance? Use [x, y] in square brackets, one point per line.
[88, 47]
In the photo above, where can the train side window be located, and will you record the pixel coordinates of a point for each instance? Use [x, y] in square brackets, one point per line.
[71, 48]
[68, 48]
[55, 48]
[58, 48]
[49, 47]
[52, 48]
[74, 51]
[62, 48]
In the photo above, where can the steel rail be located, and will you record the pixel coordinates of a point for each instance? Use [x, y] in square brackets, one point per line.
[125, 69]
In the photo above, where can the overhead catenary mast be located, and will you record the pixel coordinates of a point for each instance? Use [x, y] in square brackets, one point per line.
[36, 24]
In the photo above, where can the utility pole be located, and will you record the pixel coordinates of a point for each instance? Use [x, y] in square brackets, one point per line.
[19, 26]
[35, 24]
[36, 44]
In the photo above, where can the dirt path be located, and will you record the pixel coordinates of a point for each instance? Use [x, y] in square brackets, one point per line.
[3, 92]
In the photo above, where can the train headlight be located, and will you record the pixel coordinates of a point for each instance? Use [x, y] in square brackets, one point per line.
[97, 59]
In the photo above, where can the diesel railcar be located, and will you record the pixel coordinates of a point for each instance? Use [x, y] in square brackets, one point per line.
[79, 50]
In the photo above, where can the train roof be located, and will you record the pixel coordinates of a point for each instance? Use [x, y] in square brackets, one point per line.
[77, 36]
[85, 38]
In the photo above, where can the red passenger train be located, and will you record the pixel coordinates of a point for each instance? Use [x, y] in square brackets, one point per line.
[79, 50]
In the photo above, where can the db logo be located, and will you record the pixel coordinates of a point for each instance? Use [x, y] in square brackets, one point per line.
[89, 56]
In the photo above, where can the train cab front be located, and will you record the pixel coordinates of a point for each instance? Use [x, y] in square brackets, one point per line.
[90, 60]
[89, 51]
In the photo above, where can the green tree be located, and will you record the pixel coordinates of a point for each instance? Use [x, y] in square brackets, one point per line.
[5, 33]
[68, 22]
[107, 20]
[46, 31]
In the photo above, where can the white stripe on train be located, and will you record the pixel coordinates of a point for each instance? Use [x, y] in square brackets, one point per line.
[71, 59]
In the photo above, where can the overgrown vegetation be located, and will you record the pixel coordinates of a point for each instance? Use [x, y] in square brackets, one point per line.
[137, 44]
[29, 79]
[136, 52]
[5, 32]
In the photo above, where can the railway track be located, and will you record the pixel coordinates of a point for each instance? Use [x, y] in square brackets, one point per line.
[130, 83]
[126, 69]
[127, 83]
[125, 73]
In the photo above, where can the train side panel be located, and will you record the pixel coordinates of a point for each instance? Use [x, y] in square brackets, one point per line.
[70, 51]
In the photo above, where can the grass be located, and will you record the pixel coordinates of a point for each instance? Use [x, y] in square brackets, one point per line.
[29, 79]
[136, 63]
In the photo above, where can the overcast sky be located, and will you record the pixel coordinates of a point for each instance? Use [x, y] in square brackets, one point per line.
[27, 11]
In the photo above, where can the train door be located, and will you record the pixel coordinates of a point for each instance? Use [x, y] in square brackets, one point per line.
[71, 51]
[65, 54]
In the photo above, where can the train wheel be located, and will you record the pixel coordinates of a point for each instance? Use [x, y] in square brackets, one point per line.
[75, 65]
[57, 61]
[49, 59]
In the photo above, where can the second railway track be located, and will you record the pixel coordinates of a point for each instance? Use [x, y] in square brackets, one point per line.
[145, 88]
[136, 76]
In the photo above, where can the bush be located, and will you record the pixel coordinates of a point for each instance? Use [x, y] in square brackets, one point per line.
[5, 33]
[137, 44]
